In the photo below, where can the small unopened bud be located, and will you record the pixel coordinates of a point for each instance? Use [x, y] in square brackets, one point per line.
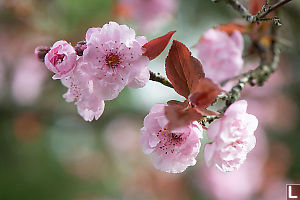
[41, 51]
[80, 47]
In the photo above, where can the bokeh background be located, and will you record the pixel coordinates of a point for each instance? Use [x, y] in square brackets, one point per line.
[47, 151]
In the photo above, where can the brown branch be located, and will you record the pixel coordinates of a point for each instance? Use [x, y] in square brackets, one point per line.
[261, 74]
[266, 9]
[255, 77]
[160, 79]
[233, 78]
[272, 8]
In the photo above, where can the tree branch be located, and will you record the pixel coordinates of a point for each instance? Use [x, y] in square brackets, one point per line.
[255, 77]
[266, 9]
[160, 79]
[272, 8]
[258, 76]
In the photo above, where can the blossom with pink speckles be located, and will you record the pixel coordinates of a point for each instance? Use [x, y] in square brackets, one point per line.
[233, 138]
[172, 151]
[114, 57]
[61, 59]
[221, 54]
[81, 89]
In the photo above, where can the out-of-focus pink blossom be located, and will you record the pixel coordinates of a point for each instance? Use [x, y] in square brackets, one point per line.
[262, 107]
[237, 185]
[233, 138]
[276, 190]
[2, 79]
[221, 54]
[114, 57]
[172, 151]
[27, 81]
[81, 89]
[241, 184]
[149, 15]
[263, 100]
[61, 59]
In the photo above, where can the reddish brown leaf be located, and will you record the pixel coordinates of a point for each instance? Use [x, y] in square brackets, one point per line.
[176, 76]
[205, 112]
[157, 45]
[231, 27]
[179, 103]
[180, 116]
[204, 93]
[183, 70]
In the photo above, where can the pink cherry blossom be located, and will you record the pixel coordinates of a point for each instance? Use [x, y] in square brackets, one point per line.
[61, 59]
[221, 54]
[114, 57]
[81, 89]
[149, 15]
[172, 151]
[233, 138]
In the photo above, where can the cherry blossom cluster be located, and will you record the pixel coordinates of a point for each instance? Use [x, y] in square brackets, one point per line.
[112, 57]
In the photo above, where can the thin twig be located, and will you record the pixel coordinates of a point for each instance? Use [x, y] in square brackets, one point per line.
[232, 78]
[261, 74]
[266, 9]
[272, 8]
[160, 79]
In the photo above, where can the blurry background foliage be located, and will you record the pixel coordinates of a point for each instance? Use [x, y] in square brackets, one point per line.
[47, 151]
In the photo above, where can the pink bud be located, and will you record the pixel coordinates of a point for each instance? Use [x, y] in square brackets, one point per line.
[61, 59]
[41, 51]
[80, 47]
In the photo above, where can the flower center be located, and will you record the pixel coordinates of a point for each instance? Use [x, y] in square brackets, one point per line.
[112, 60]
[169, 141]
[57, 59]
